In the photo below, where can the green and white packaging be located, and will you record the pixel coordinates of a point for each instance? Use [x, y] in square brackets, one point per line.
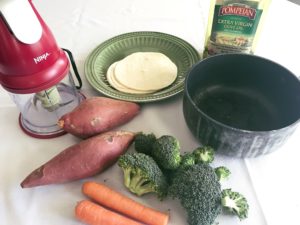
[234, 26]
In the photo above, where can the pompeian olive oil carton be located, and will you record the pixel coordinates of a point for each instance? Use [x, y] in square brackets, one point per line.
[234, 26]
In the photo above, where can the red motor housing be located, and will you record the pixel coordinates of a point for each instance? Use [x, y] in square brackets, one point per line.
[28, 68]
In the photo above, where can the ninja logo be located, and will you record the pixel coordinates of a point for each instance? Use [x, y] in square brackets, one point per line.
[41, 58]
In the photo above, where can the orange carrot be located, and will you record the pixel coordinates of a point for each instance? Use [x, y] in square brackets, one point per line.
[109, 198]
[94, 214]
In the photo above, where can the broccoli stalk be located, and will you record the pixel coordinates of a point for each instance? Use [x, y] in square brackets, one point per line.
[223, 173]
[127, 175]
[204, 154]
[142, 175]
[235, 203]
[139, 184]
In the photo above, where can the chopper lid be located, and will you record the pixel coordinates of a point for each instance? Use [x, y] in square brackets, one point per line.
[40, 80]
[22, 8]
[28, 68]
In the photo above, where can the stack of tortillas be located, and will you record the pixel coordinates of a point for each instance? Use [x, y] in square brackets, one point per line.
[142, 73]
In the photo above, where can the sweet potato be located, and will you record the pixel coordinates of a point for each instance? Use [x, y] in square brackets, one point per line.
[96, 115]
[87, 158]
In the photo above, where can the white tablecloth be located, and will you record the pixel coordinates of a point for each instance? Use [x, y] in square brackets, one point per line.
[269, 182]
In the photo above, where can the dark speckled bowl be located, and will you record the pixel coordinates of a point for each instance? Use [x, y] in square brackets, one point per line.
[241, 105]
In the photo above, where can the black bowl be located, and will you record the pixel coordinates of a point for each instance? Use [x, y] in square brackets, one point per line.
[242, 105]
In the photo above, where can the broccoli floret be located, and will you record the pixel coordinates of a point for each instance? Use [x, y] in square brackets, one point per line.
[143, 143]
[166, 152]
[188, 159]
[205, 154]
[235, 203]
[199, 191]
[142, 175]
[222, 172]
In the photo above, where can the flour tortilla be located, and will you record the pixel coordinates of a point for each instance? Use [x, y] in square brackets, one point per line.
[145, 71]
[118, 86]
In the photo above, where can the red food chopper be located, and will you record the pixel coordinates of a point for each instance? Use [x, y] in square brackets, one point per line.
[34, 70]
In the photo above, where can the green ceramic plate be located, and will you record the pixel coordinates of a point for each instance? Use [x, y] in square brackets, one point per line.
[116, 48]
